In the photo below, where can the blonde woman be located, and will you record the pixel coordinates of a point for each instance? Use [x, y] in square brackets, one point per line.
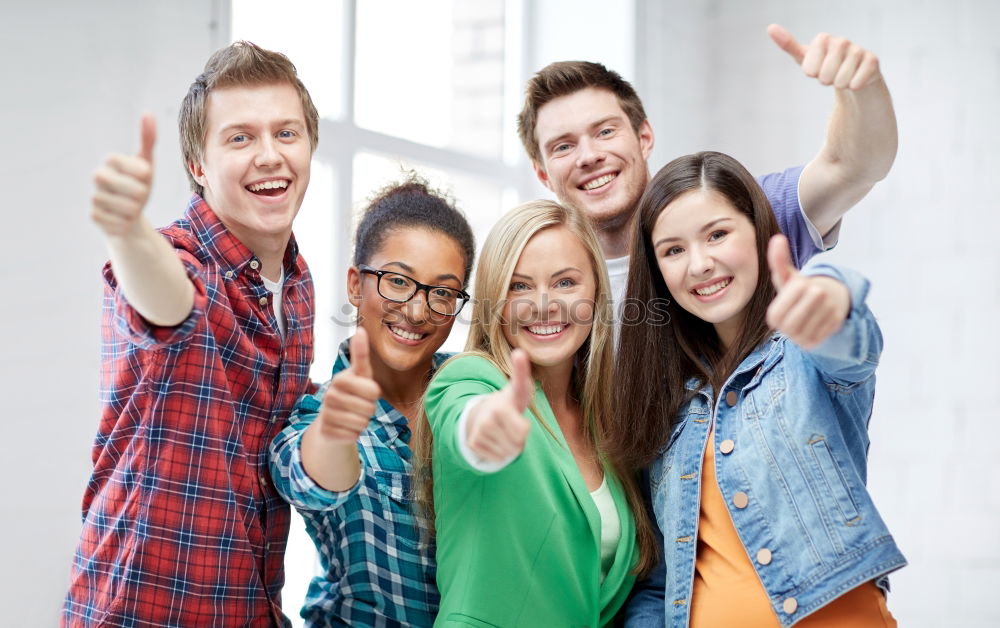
[534, 525]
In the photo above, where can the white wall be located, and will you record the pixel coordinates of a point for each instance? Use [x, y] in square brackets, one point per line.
[927, 236]
[76, 78]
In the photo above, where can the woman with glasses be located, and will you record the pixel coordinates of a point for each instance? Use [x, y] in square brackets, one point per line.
[345, 461]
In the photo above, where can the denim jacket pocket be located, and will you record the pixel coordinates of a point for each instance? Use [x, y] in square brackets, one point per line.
[835, 481]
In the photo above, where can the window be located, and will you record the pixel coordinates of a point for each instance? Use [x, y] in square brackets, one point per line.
[433, 86]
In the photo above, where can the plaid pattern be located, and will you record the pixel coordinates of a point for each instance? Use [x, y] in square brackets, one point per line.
[378, 571]
[181, 525]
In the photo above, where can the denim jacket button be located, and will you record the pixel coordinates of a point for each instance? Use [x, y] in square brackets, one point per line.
[731, 398]
[790, 605]
[727, 446]
[764, 556]
[740, 499]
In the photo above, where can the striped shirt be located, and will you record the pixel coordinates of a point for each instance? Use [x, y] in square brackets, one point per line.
[377, 569]
[181, 524]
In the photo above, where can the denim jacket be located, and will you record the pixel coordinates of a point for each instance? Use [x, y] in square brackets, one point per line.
[791, 433]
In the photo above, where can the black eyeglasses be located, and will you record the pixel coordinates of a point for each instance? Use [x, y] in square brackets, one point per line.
[400, 288]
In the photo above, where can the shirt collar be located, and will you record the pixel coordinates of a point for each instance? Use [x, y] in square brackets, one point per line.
[384, 411]
[223, 245]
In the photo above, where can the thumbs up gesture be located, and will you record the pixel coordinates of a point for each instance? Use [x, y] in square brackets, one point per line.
[123, 184]
[807, 309]
[349, 401]
[831, 60]
[496, 427]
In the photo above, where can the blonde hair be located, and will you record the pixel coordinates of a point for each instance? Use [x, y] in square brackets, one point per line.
[240, 64]
[592, 373]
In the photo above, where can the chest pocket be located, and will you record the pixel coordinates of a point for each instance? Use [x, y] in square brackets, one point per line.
[766, 388]
[397, 508]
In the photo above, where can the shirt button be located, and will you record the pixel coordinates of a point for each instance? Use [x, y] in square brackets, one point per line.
[764, 556]
[740, 499]
[727, 446]
[731, 397]
[229, 274]
[263, 481]
[254, 264]
[262, 300]
[790, 605]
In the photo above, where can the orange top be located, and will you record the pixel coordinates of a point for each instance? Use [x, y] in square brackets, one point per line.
[727, 591]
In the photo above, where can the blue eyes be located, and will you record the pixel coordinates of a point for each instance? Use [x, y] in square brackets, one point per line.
[520, 286]
[243, 138]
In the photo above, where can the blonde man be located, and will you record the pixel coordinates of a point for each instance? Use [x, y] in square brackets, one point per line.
[207, 341]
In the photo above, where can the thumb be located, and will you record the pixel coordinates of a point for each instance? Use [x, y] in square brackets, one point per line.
[779, 259]
[787, 42]
[360, 354]
[521, 387]
[148, 135]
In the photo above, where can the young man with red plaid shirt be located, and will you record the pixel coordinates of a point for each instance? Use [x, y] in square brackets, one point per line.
[207, 341]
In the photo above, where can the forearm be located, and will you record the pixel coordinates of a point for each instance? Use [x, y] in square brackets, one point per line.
[333, 465]
[151, 275]
[859, 151]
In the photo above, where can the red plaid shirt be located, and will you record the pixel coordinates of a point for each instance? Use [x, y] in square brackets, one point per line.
[181, 524]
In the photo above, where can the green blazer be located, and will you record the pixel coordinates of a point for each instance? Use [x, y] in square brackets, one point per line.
[519, 547]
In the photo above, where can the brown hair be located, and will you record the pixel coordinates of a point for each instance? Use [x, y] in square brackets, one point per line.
[592, 371]
[240, 64]
[568, 77]
[654, 362]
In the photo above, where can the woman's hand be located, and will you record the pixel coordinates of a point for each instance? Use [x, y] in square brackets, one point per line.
[807, 309]
[349, 401]
[496, 429]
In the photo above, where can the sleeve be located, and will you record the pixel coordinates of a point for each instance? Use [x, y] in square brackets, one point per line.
[456, 384]
[129, 324]
[646, 606]
[289, 476]
[805, 240]
[850, 355]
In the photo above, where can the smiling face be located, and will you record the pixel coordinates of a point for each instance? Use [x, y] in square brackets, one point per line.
[549, 307]
[255, 163]
[404, 336]
[707, 253]
[592, 158]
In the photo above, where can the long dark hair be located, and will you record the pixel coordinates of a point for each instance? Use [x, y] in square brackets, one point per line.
[654, 361]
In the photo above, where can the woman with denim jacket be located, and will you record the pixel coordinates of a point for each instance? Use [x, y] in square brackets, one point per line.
[753, 412]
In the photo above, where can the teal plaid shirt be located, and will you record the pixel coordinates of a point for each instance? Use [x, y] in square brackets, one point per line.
[377, 570]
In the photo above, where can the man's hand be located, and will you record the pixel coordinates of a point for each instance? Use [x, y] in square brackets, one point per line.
[831, 60]
[123, 185]
[349, 401]
[496, 427]
[807, 309]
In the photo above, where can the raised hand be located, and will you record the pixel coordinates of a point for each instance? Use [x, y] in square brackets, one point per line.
[349, 401]
[807, 309]
[831, 60]
[496, 428]
[123, 184]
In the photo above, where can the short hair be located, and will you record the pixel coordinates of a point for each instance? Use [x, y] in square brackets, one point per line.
[412, 203]
[240, 64]
[563, 78]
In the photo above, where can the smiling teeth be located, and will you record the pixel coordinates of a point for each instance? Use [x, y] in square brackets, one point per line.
[267, 185]
[546, 330]
[405, 334]
[599, 181]
[710, 290]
